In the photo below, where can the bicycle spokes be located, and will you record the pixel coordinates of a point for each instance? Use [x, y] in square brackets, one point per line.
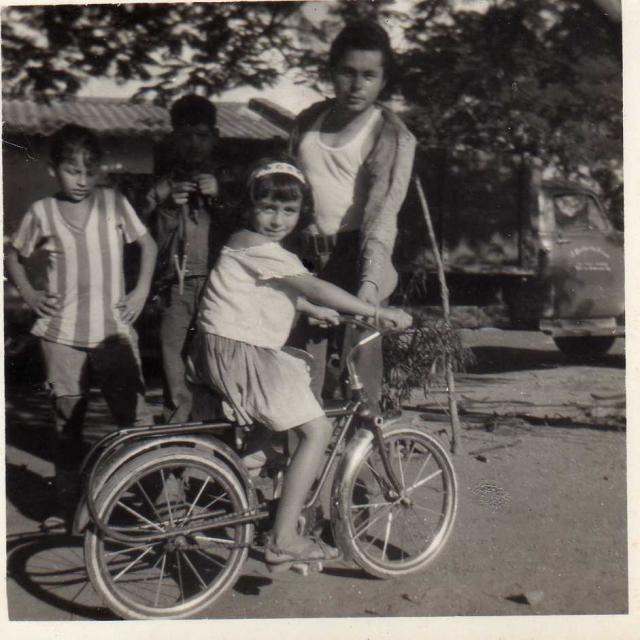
[170, 575]
[391, 532]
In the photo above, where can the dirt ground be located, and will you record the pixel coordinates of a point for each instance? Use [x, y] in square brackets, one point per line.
[541, 525]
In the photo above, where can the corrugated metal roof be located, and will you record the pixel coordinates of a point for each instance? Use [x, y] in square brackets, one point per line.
[113, 116]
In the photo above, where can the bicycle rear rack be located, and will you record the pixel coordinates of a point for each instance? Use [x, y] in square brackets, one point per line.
[112, 441]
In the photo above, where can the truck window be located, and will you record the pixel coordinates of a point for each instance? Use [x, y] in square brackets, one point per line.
[578, 212]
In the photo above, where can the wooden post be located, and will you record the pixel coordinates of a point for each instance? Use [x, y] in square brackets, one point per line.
[456, 443]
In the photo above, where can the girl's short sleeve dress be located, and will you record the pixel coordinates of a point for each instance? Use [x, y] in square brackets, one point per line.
[245, 317]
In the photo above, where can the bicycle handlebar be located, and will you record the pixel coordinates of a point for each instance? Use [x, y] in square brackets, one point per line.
[376, 333]
[348, 319]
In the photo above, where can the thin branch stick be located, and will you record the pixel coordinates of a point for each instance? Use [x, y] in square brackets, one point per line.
[456, 443]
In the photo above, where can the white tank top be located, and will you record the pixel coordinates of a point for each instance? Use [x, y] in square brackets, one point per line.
[335, 176]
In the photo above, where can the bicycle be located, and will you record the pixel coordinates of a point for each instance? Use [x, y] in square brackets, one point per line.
[170, 512]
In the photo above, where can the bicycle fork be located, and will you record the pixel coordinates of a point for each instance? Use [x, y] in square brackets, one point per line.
[373, 421]
[394, 491]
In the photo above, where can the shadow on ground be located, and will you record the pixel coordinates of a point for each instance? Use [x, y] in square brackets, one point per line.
[32, 495]
[496, 359]
[29, 420]
[51, 569]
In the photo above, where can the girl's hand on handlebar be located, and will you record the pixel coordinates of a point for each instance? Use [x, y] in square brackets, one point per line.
[323, 316]
[394, 318]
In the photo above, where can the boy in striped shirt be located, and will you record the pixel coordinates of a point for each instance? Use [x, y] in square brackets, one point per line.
[84, 315]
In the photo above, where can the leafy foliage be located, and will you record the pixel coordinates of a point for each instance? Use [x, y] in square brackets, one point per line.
[536, 77]
[541, 77]
[416, 359]
[172, 48]
[310, 61]
[533, 77]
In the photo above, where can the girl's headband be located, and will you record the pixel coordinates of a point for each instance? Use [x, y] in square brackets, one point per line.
[278, 167]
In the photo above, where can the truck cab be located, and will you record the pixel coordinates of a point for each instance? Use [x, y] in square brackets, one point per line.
[582, 269]
[517, 250]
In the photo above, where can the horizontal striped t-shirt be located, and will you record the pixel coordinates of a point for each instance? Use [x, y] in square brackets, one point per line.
[84, 266]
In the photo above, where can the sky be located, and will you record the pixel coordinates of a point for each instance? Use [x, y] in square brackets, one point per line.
[286, 93]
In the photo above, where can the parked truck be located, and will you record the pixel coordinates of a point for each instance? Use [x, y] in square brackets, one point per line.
[518, 250]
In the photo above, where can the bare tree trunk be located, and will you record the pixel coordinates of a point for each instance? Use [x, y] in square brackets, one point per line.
[456, 443]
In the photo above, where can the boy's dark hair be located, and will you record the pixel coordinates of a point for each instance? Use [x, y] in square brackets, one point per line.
[364, 35]
[72, 138]
[192, 110]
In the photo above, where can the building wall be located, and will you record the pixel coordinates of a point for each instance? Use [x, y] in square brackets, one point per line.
[26, 175]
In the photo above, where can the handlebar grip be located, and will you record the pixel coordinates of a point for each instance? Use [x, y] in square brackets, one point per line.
[347, 319]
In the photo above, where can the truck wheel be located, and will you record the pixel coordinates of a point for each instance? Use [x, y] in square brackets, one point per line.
[584, 346]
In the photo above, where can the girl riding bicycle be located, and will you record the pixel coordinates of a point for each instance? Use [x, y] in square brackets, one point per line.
[247, 311]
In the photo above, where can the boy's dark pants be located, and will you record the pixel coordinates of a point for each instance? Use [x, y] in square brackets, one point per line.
[177, 319]
[116, 366]
[342, 268]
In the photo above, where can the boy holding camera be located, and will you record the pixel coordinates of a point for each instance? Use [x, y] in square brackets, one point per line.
[187, 216]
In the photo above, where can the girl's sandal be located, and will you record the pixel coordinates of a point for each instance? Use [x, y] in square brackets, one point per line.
[278, 560]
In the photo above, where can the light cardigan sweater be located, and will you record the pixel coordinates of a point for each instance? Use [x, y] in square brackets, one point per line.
[388, 168]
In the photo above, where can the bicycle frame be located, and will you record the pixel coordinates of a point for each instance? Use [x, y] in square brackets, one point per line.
[355, 408]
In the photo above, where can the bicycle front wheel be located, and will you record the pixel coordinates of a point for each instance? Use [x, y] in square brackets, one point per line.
[391, 534]
[168, 490]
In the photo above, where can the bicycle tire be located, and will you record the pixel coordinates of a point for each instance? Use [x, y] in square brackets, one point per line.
[168, 489]
[392, 537]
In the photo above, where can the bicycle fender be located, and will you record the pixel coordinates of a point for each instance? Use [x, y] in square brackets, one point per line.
[352, 455]
[218, 449]
[81, 518]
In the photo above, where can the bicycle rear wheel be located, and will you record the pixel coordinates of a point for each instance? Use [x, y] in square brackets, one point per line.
[168, 490]
[394, 535]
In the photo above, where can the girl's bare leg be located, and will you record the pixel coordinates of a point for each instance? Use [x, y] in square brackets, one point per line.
[302, 471]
